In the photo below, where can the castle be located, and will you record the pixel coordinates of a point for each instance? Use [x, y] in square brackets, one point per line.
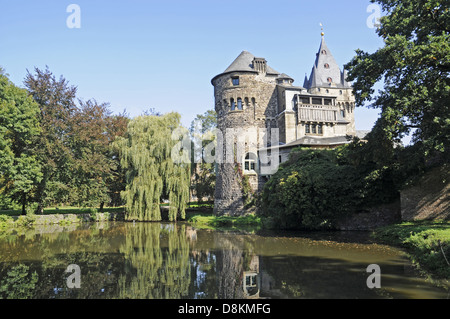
[251, 95]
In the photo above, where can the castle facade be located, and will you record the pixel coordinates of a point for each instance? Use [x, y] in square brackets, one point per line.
[251, 96]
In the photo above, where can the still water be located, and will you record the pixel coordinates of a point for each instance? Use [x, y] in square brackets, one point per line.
[162, 260]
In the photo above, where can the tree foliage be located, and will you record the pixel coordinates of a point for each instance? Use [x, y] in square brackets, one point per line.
[151, 173]
[311, 191]
[78, 165]
[20, 171]
[203, 176]
[414, 65]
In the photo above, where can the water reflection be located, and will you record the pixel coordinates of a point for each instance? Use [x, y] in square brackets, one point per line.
[162, 261]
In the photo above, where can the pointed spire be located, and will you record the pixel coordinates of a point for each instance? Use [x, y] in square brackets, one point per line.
[306, 82]
[326, 71]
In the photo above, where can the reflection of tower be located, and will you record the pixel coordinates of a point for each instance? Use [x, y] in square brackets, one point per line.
[251, 280]
[237, 268]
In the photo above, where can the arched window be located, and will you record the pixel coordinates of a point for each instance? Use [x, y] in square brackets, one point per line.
[330, 80]
[326, 66]
[239, 104]
[250, 163]
[324, 52]
[233, 104]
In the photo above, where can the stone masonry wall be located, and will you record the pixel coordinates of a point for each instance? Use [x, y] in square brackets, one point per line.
[259, 98]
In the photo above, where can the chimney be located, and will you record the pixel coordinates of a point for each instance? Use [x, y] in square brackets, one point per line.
[260, 65]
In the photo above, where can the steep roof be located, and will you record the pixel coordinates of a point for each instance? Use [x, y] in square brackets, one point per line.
[325, 71]
[244, 63]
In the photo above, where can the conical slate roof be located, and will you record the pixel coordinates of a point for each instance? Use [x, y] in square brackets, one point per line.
[326, 71]
[244, 63]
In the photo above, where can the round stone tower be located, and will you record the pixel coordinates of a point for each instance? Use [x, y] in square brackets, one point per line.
[245, 101]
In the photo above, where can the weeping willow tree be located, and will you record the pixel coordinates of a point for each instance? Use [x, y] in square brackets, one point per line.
[152, 175]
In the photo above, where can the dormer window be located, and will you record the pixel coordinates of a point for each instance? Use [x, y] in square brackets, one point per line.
[235, 80]
[326, 66]
[324, 52]
[329, 80]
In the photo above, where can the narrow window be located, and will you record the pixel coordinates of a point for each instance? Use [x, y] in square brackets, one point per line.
[314, 128]
[233, 105]
[307, 129]
[326, 66]
[320, 129]
[239, 104]
[235, 80]
[330, 80]
[343, 113]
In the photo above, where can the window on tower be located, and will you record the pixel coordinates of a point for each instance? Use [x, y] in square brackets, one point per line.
[239, 104]
[250, 163]
[235, 80]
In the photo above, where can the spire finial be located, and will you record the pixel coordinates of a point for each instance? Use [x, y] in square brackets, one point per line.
[321, 26]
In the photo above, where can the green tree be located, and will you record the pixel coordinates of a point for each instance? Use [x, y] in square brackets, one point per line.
[20, 171]
[414, 65]
[203, 177]
[311, 190]
[56, 100]
[116, 182]
[151, 173]
[94, 164]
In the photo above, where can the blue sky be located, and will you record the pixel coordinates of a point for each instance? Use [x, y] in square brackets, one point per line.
[139, 54]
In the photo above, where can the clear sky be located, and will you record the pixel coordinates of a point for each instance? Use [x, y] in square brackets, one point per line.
[142, 54]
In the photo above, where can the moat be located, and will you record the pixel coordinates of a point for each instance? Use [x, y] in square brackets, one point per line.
[164, 260]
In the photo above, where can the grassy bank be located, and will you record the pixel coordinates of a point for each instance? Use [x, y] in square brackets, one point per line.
[207, 220]
[426, 242]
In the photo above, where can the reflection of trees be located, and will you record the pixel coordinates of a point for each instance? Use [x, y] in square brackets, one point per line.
[156, 262]
[49, 254]
[19, 283]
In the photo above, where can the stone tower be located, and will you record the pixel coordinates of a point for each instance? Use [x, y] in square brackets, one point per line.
[245, 98]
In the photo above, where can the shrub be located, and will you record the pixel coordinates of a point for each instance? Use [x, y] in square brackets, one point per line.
[311, 191]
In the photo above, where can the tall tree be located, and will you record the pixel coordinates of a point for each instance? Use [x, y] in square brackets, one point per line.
[116, 128]
[414, 65]
[203, 175]
[57, 103]
[20, 171]
[92, 165]
[151, 173]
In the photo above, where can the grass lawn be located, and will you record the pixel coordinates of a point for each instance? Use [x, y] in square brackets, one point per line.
[211, 221]
[427, 243]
